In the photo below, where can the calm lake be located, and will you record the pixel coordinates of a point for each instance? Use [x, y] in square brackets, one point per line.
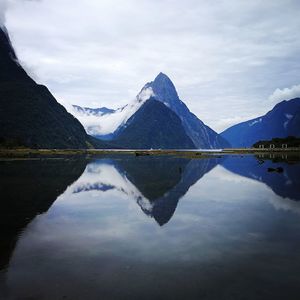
[150, 227]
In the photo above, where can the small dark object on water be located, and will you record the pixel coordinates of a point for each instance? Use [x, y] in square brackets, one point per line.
[141, 154]
[278, 170]
[198, 153]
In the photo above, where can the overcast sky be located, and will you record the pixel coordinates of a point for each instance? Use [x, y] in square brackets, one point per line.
[229, 60]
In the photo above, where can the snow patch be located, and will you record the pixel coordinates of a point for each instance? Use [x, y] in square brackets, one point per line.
[255, 121]
[145, 94]
[289, 117]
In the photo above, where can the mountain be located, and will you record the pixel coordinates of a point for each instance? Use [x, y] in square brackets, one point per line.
[154, 126]
[93, 111]
[201, 135]
[111, 125]
[29, 114]
[282, 121]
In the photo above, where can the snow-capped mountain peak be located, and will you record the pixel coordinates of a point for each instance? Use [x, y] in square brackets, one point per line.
[164, 90]
[110, 125]
[104, 122]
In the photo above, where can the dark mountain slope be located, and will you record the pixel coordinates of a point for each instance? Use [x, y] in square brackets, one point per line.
[154, 125]
[29, 114]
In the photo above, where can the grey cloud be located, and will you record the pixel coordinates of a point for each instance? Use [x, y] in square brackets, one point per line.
[3, 9]
[4, 6]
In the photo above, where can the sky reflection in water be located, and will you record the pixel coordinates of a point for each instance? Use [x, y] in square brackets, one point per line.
[159, 227]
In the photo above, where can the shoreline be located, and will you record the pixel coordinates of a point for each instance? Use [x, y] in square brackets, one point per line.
[193, 153]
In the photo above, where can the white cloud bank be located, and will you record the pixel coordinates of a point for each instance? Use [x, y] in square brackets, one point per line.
[109, 123]
[285, 94]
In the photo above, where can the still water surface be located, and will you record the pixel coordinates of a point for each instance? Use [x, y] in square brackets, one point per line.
[126, 227]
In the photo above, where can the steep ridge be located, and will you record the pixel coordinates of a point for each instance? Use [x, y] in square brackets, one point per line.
[201, 135]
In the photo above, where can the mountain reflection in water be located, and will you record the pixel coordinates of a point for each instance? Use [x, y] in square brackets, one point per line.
[155, 183]
[285, 185]
[114, 228]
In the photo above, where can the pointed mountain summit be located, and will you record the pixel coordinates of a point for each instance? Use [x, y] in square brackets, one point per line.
[29, 115]
[164, 90]
[202, 136]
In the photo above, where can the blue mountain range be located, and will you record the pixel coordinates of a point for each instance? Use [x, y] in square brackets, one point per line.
[280, 122]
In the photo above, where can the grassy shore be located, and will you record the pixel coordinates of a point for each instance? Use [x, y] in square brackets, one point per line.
[36, 153]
